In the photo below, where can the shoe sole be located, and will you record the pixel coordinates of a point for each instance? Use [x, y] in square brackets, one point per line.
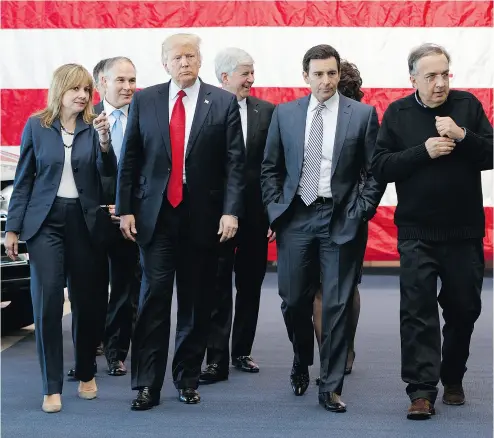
[247, 370]
[454, 404]
[117, 374]
[189, 402]
[147, 408]
[420, 415]
[210, 382]
[336, 411]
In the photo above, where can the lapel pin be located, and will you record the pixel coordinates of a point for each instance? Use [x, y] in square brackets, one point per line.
[206, 101]
[255, 110]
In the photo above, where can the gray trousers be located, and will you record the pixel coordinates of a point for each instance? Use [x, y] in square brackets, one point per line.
[305, 249]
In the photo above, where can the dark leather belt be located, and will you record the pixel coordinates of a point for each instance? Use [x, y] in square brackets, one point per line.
[319, 200]
[323, 200]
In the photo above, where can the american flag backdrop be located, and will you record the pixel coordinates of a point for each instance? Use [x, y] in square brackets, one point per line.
[38, 36]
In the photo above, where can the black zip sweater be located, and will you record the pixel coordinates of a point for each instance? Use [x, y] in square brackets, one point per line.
[438, 199]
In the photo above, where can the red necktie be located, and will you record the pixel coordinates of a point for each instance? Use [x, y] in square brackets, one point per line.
[177, 139]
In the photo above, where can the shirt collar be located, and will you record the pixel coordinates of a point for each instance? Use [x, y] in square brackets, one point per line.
[110, 108]
[243, 103]
[331, 104]
[191, 92]
[419, 101]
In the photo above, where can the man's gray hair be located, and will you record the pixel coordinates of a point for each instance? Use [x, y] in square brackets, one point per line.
[423, 50]
[111, 62]
[180, 39]
[229, 59]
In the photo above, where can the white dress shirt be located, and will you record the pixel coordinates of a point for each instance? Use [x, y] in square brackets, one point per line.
[123, 118]
[329, 119]
[190, 103]
[243, 117]
[67, 187]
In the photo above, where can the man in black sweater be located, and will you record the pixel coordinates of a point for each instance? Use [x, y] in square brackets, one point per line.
[434, 144]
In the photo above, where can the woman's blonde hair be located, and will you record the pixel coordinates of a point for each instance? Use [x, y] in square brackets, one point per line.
[64, 78]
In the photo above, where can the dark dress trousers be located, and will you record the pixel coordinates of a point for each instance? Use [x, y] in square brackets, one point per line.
[325, 237]
[123, 258]
[246, 254]
[64, 239]
[182, 240]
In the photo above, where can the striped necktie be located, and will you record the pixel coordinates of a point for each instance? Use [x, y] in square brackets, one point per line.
[309, 181]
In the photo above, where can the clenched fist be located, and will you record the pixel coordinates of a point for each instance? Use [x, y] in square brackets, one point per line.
[446, 127]
[439, 146]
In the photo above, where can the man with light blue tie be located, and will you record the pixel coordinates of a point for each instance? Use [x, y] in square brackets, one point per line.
[119, 83]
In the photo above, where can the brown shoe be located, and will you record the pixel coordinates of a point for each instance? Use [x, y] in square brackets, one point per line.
[421, 409]
[454, 395]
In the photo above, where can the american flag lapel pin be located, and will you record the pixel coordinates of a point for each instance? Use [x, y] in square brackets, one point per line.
[206, 101]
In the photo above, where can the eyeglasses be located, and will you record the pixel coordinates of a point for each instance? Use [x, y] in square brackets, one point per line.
[433, 77]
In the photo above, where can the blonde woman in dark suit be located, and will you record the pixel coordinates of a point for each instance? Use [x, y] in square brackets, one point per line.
[55, 208]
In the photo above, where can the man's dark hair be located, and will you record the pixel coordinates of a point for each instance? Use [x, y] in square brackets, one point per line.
[350, 81]
[322, 51]
[98, 68]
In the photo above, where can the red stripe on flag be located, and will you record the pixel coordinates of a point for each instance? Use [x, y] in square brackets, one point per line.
[381, 245]
[17, 105]
[177, 14]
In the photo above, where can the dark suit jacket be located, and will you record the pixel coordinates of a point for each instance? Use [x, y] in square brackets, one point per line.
[39, 172]
[214, 161]
[259, 113]
[354, 144]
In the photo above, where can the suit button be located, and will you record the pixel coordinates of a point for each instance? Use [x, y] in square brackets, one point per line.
[85, 210]
[76, 169]
[81, 191]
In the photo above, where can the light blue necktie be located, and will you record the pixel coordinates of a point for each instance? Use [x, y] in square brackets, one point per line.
[117, 133]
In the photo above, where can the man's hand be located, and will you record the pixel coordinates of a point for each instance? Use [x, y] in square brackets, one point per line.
[439, 146]
[448, 128]
[271, 235]
[128, 226]
[111, 210]
[228, 227]
[11, 244]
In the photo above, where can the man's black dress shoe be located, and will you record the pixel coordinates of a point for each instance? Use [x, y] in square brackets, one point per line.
[245, 363]
[146, 399]
[189, 396]
[331, 402]
[71, 372]
[116, 368]
[299, 379]
[212, 374]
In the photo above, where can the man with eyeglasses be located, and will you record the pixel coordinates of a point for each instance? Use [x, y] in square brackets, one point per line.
[433, 144]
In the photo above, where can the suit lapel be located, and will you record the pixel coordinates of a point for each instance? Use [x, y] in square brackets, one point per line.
[161, 103]
[203, 106]
[299, 122]
[98, 108]
[253, 116]
[344, 116]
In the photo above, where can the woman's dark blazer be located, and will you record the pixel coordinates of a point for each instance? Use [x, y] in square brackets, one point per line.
[39, 172]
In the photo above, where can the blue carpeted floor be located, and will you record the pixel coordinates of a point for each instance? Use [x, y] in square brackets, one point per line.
[262, 405]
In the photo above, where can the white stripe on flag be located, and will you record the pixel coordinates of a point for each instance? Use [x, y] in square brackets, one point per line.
[380, 53]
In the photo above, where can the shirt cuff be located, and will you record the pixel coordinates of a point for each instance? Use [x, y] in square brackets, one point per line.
[460, 140]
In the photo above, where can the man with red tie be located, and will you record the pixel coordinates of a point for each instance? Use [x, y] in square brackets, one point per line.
[179, 192]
